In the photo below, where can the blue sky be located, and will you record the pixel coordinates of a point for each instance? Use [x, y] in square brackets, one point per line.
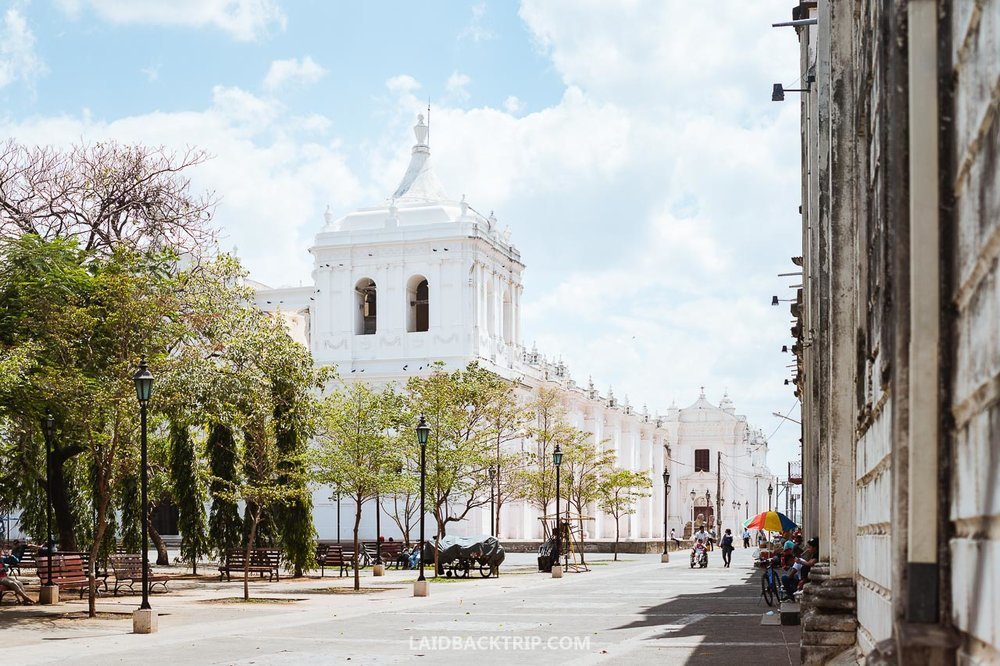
[630, 145]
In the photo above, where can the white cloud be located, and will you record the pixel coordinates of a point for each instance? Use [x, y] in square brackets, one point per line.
[512, 105]
[494, 156]
[475, 28]
[272, 172]
[284, 72]
[18, 59]
[244, 20]
[402, 84]
[456, 86]
[152, 73]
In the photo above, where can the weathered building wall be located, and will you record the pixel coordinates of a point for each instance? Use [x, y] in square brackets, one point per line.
[974, 546]
[899, 335]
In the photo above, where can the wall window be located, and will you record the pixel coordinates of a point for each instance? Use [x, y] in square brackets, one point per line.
[701, 458]
[418, 304]
[366, 302]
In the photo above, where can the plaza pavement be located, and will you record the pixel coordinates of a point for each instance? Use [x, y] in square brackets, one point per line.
[636, 611]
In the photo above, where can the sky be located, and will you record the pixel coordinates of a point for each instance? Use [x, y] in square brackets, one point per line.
[631, 146]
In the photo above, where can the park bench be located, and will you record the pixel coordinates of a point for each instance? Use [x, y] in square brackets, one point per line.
[67, 571]
[262, 561]
[101, 572]
[128, 571]
[390, 552]
[333, 556]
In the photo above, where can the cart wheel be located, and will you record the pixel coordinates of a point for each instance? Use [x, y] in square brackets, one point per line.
[449, 573]
[485, 570]
[462, 569]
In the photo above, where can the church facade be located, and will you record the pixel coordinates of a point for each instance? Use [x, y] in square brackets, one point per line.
[425, 279]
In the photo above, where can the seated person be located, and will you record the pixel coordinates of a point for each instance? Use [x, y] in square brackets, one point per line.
[14, 556]
[799, 574]
[14, 585]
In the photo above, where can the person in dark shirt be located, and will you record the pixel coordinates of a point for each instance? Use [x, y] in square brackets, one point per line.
[727, 548]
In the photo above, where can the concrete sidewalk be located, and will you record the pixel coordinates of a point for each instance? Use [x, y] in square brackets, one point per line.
[634, 611]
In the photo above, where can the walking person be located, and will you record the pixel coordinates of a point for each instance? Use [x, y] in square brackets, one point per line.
[727, 548]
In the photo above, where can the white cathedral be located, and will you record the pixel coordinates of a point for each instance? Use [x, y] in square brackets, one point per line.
[422, 279]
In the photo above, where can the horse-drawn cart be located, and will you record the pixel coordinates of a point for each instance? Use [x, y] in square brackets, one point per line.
[459, 556]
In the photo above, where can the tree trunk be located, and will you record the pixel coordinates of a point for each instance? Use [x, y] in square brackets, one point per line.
[617, 531]
[102, 525]
[162, 557]
[61, 505]
[246, 565]
[357, 544]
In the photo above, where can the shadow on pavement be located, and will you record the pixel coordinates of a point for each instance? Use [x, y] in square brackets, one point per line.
[727, 625]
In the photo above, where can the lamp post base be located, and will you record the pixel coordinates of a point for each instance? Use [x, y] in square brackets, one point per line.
[378, 569]
[665, 558]
[145, 621]
[557, 571]
[49, 594]
[421, 588]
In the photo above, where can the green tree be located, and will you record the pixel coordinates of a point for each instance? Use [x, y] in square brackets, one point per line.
[225, 527]
[292, 427]
[258, 488]
[619, 491]
[459, 450]
[356, 451]
[549, 430]
[584, 465]
[508, 420]
[189, 494]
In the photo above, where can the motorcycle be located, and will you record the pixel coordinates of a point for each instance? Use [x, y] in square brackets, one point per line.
[699, 556]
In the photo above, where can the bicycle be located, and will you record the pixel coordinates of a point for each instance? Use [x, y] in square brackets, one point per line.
[770, 584]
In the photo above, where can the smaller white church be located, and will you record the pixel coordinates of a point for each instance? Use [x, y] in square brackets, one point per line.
[423, 278]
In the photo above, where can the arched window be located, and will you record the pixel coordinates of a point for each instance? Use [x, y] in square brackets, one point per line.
[365, 297]
[508, 319]
[418, 304]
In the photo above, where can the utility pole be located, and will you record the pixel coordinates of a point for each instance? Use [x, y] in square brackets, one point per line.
[718, 492]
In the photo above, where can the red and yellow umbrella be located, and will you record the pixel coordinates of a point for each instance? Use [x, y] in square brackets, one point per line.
[771, 521]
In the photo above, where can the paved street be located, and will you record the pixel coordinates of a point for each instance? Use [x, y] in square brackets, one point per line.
[633, 612]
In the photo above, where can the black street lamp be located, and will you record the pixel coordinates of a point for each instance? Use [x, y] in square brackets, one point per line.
[49, 426]
[493, 477]
[423, 430]
[693, 495]
[666, 495]
[143, 379]
[708, 505]
[557, 457]
[378, 530]
[770, 489]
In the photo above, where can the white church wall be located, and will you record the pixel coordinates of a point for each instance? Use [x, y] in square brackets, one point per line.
[474, 292]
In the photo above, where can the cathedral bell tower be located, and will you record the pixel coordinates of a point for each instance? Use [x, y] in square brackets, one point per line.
[417, 280]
